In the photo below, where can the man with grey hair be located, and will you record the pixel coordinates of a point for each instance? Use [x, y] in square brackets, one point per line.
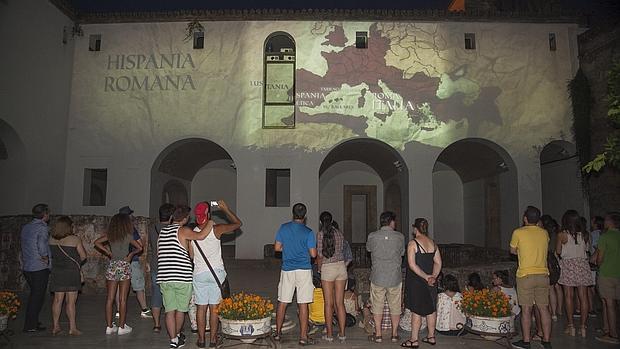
[387, 248]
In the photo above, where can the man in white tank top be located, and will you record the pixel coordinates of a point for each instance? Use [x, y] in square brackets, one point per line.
[206, 288]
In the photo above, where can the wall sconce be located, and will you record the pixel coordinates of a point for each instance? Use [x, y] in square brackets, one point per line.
[398, 165]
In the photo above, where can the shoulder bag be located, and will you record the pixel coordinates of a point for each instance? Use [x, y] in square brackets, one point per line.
[225, 286]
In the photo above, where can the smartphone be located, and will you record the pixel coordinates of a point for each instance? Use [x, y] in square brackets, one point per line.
[213, 203]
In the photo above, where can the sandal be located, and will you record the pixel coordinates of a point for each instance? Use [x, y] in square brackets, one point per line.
[156, 329]
[375, 338]
[427, 340]
[537, 337]
[395, 339]
[570, 330]
[410, 344]
[306, 341]
[276, 336]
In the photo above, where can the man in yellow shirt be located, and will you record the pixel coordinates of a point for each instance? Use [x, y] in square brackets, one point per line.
[531, 243]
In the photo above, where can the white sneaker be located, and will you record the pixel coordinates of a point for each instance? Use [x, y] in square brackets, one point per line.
[111, 330]
[124, 330]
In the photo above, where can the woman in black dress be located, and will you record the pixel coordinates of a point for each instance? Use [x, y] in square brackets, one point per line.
[424, 261]
[68, 254]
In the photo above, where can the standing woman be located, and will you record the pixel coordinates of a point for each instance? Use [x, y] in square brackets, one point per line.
[330, 260]
[572, 245]
[68, 255]
[424, 261]
[556, 296]
[118, 275]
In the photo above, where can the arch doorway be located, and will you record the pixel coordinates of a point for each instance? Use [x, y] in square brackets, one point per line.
[13, 167]
[560, 179]
[359, 179]
[193, 170]
[475, 197]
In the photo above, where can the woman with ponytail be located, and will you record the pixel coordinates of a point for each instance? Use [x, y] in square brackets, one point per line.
[330, 260]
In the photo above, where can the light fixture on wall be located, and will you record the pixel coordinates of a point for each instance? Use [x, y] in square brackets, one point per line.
[233, 165]
[502, 166]
[398, 165]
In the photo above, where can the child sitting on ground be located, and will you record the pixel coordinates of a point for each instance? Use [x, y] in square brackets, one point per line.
[502, 284]
[450, 319]
[474, 283]
[316, 309]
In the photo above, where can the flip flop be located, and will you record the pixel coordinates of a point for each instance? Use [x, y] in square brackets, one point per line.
[395, 339]
[410, 344]
[156, 329]
[375, 339]
[306, 341]
[427, 340]
[276, 336]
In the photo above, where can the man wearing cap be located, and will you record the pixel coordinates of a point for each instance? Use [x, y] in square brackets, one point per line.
[206, 288]
[137, 273]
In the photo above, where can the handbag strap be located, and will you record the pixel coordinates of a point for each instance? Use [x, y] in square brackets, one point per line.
[217, 280]
[71, 258]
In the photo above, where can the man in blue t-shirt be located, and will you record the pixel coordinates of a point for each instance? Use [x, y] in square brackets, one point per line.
[297, 243]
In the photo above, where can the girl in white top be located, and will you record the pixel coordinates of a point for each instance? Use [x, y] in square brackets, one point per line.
[502, 283]
[208, 294]
[572, 244]
[450, 318]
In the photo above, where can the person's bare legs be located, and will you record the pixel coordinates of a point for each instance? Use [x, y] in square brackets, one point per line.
[395, 321]
[559, 293]
[545, 319]
[123, 290]
[610, 304]
[179, 320]
[431, 322]
[156, 316]
[553, 301]
[56, 309]
[582, 293]
[341, 311]
[303, 320]
[280, 312]
[328, 306]
[378, 318]
[526, 322]
[109, 302]
[171, 324]
[539, 327]
[141, 297]
[416, 323]
[213, 322]
[605, 318]
[568, 300]
[70, 310]
[201, 321]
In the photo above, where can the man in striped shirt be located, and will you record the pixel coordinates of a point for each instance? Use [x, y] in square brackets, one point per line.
[175, 270]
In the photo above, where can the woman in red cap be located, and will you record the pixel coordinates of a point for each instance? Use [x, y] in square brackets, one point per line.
[206, 288]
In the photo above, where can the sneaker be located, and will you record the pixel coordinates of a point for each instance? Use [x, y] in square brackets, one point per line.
[554, 318]
[182, 337]
[111, 330]
[146, 314]
[546, 345]
[607, 339]
[180, 341]
[521, 345]
[124, 330]
[194, 330]
[174, 343]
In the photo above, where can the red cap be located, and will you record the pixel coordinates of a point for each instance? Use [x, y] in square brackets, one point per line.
[202, 212]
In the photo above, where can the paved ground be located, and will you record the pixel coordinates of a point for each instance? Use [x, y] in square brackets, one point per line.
[243, 275]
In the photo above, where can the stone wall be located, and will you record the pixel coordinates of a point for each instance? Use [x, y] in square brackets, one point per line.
[88, 228]
[598, 48]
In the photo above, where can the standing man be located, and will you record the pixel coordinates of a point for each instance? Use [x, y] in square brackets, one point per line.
[530, 243]
[36, 264]
[608, 257]
[175, 270]
[165, 218]
[297, 243]
[387, 248]
[137, 273]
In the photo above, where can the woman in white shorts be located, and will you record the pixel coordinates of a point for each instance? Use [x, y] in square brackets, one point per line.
[330, 259]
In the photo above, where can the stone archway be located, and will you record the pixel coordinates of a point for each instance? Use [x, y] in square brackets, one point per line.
[560, 178]
[360, 178]
[475, 196]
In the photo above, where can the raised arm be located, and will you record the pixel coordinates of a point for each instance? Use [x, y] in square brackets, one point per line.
[99, 245]
[188, 234]
[235, 222]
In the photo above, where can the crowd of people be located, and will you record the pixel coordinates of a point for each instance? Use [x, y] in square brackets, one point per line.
[562, 269]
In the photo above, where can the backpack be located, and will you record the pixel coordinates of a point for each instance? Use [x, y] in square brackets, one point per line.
[554, 268]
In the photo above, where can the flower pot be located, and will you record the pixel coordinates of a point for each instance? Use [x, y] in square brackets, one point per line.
[246, 328]
[4, 322]
[491, 325]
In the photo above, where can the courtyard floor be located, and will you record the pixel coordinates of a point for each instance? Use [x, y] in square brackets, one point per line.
[251, 276]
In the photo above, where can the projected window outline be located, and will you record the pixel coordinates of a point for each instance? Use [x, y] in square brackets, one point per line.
[95, 187]
[278, 57]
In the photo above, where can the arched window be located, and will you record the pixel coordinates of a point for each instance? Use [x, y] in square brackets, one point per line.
[279, 81]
